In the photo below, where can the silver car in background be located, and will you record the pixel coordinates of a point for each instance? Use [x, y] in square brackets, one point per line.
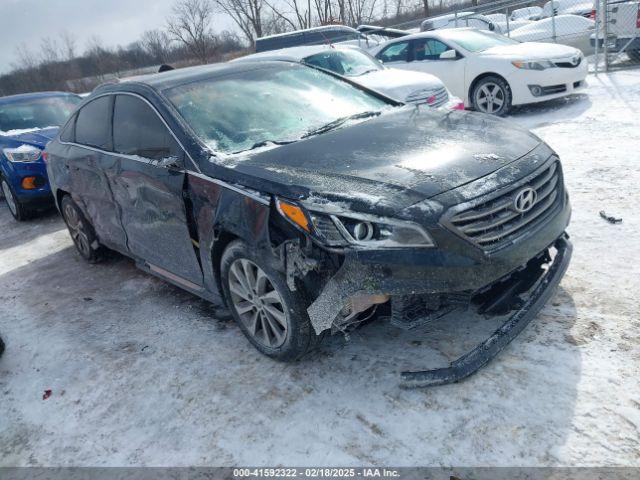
[359, 66]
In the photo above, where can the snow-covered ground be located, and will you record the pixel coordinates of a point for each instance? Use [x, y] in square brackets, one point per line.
[142, 373]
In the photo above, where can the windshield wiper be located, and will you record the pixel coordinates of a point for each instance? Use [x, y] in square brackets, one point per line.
[264, 143]
[338, 122]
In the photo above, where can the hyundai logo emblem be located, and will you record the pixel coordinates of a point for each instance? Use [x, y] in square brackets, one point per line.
[525, 200]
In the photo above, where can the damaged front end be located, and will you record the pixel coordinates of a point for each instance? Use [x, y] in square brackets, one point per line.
[421, 265]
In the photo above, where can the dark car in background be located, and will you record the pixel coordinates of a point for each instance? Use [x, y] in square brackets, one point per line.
[306, 202]
[27, 123]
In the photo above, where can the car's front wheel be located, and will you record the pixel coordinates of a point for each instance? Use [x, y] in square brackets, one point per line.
[491, 95]
[17, 209]
[273, 318]
[81, 231]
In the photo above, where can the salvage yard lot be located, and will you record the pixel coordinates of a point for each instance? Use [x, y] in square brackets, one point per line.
[142, 373]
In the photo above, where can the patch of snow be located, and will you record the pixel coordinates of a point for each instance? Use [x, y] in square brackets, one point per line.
[11, 133]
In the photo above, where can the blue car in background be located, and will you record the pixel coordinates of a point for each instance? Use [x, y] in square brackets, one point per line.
[27, 123]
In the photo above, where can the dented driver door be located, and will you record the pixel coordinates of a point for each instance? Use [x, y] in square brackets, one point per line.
[148, 188]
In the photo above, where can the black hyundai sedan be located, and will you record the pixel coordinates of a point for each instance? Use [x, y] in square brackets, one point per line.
[306, 203]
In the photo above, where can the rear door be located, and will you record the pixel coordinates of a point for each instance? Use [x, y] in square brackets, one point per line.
[149, 191]
[90, 165]
[426, 58]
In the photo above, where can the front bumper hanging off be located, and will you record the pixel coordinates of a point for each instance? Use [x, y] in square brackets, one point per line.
[473, 360]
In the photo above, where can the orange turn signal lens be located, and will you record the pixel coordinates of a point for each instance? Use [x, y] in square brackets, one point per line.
[29, 183]
[293, 213]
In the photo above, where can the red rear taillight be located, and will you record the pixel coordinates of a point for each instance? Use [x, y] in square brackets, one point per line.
[592, 15]
[638, 17]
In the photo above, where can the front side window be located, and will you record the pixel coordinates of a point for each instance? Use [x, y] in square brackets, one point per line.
[36, 112]
[244, 110]
[137, 130]
[428, 49]
[398, 52]
[93, 123]
[348, 62]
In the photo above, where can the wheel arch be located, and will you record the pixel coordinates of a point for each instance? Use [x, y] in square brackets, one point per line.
[222, 240]
[59, 195]
[478, 78]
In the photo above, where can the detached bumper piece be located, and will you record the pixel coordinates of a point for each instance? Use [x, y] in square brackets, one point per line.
[473, 360]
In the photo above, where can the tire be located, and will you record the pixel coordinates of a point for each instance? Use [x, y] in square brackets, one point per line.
[81, 231]
[491, 95]
[1, 347]
[634, 55]
[273, 318]
[17, 209]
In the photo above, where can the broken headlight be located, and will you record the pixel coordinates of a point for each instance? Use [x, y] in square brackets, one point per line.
[369, 231]
[340, 230]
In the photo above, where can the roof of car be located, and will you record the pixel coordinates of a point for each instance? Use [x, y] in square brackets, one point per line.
[180, 76]
[293, 53]
[28, 96]
[440, 32]
[322, 28]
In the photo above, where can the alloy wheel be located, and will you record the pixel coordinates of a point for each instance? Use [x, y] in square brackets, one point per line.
[490, 97]
[76, 229]
[258, 304]
[9, 198]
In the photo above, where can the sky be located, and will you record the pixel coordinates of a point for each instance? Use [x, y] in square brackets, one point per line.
[115, 22]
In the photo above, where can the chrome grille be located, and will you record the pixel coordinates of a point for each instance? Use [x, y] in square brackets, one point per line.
[421, 96]
[495, 222]
[567, 64]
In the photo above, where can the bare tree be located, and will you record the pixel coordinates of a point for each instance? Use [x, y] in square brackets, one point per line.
[157, 44]
[68, 47]
[49, 50]
[247, 15]
[298, 15]
[189, 25]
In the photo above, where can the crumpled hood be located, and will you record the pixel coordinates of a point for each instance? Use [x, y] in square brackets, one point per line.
[532, 51]
[36, 137]
[383, 164]
[398, 84]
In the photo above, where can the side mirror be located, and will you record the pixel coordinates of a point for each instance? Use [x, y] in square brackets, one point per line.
[171, 163]
[449, 55]
[492, 27]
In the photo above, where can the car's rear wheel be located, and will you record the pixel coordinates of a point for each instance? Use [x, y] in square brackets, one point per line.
[81, 231]
[634, 55]
[273, 318]
[491, 95]
[17, 209]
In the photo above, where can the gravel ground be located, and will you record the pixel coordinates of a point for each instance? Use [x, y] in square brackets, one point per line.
[142, 373]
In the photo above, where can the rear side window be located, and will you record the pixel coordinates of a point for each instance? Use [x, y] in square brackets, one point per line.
[92, 126]
[428, 49]
[137, 130]
[68, 134]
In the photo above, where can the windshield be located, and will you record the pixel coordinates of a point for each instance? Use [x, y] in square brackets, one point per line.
[282, 103]
[36, 113]
[478, 40]
[348, 62]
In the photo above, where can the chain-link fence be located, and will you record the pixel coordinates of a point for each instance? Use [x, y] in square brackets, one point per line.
[583, 24]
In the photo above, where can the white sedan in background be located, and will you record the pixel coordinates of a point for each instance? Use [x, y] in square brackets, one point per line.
[489, 72]
[572, 30]
[412, 87]
[526, 13]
